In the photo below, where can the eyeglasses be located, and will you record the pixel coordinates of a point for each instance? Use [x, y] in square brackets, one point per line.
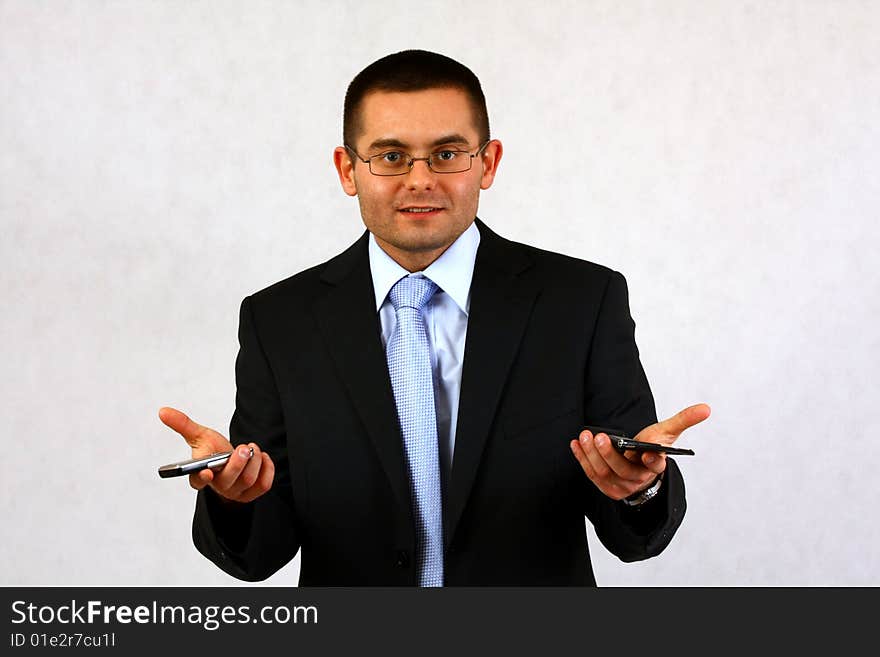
[398, 163]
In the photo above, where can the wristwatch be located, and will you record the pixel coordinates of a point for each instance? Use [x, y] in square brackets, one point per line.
[639, 498]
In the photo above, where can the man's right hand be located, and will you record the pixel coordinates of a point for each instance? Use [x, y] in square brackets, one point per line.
[244, 477]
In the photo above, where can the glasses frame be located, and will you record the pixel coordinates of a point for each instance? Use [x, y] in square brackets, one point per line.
[413, 160]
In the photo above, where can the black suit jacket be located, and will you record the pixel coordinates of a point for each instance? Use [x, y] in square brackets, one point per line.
[550, 347]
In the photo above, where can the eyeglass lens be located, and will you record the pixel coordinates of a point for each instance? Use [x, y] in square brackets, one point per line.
[395, 162]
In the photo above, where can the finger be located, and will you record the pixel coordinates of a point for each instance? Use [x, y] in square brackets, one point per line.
[605, 478]
[225, 479]
[192, 432]
[578, 448]
[264, 481]
[619, 464]
[200, 479]
[582, 459]
[248, 476]
[610, 485]
[656, 463]
[581, 456]
[685, 419]
[627, 476]
[598, 472]
[597, 464]
[632, 455]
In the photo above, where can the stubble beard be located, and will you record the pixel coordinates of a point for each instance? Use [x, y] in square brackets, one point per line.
[413, 238]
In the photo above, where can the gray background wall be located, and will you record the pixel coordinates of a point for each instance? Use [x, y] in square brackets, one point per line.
[161, 160]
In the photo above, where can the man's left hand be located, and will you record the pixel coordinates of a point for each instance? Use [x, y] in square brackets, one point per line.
[621, 475]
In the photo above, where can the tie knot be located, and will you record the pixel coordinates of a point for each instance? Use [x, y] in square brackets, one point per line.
[411, 292]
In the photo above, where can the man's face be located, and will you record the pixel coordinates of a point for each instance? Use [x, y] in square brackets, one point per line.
[417, 123]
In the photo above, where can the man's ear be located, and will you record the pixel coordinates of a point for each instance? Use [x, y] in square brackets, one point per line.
[490, 158]
[345, 168]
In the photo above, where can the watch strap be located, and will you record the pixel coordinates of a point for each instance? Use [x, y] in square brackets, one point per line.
[642, 496]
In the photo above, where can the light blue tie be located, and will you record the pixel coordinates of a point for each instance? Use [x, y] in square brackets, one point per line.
[409, 364]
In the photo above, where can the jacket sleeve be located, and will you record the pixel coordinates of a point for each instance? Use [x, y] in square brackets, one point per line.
[252, 541]
[617, 395]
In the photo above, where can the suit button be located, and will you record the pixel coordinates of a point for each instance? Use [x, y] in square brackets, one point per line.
[402, 559]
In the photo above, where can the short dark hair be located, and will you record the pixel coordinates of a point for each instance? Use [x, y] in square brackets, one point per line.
[412, 70]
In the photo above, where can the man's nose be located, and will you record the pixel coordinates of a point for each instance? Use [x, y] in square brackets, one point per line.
[420, 176]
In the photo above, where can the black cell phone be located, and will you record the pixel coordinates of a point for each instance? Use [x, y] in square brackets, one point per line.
[622, 442]
[180, 468]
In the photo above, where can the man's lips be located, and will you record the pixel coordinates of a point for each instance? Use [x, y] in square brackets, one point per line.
[420, 211]
[417, 209]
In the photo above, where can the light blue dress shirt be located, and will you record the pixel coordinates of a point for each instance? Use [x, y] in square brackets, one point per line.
[446, 316]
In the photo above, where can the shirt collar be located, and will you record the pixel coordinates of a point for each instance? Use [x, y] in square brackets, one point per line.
[452, 271]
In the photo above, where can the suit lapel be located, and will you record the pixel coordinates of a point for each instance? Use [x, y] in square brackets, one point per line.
[349, 323]
[501, 302]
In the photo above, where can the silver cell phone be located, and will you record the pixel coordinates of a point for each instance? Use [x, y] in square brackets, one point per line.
[622, 442]
[180, 468]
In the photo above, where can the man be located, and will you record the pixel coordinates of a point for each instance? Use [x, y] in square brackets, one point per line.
[411, 411]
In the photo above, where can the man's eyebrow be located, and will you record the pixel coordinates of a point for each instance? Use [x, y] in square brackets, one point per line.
[387, 142]
[390, 142]
[454, 138]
